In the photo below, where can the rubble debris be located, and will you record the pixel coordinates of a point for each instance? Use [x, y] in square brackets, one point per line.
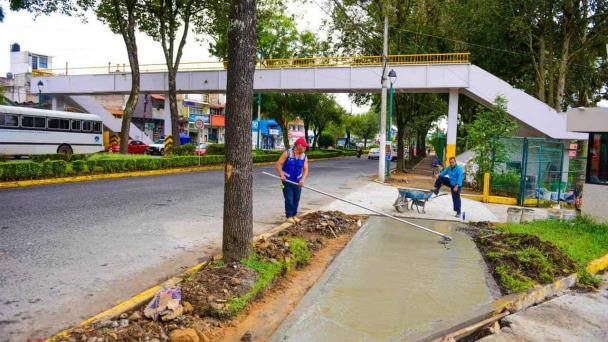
[166, 304]
[187, 313]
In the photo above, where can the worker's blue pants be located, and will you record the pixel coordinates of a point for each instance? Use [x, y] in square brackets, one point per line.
[291, 193]
[455, 194]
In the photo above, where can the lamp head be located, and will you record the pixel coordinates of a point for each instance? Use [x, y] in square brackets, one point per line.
[392, 75]
[40, 85]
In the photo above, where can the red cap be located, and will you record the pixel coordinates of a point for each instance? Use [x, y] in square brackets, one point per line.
[301, 141]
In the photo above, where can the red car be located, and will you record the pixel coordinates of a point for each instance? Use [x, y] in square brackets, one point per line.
[201, 149]
[135, 147]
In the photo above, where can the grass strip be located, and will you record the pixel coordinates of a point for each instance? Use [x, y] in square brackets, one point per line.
[581, 239]
[267, 271]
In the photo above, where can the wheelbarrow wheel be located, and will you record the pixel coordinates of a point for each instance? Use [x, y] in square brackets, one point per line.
[401, 205]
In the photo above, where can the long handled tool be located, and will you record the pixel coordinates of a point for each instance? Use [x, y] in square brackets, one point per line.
[445, 237]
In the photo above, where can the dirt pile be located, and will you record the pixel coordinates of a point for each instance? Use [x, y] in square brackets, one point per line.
[520, 261]
[210, 288]
[208, 293]
[323, 224]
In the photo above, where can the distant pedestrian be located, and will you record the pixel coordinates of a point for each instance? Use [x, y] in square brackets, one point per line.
[451, 176]
[293, 166]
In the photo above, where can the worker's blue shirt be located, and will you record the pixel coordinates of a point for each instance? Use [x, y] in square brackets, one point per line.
[454, 173]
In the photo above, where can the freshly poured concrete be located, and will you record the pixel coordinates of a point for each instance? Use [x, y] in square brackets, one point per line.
[393, 282]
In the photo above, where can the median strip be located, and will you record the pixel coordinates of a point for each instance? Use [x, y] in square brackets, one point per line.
[30, 173]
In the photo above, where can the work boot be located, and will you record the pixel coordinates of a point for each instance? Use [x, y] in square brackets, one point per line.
[291, 220]
[295, 218]
[457, 215]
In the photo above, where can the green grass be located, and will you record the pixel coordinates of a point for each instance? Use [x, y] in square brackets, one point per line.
[300, 253]
[514, 281]
[267, 271]
[581, 239]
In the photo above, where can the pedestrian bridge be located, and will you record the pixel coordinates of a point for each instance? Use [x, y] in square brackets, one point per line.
[437, 73]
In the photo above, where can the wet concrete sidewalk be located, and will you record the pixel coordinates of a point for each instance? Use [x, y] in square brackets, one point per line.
[393, 282]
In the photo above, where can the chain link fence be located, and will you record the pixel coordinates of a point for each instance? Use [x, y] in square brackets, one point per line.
[539, 171]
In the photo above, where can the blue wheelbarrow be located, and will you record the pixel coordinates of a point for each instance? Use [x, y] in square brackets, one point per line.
[409, 197]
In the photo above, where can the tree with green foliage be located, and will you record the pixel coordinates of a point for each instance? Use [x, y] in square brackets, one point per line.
[366, 126]
[162, 20]
[277, 37]
[121, 17]
[326, 112]
[238, 175]
[484, 132]
[356, 27]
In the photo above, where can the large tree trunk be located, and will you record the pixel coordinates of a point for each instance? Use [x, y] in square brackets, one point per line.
[306, 126]
[173, 107]
[285, 133]
[563, 70]
[238, 189]
[131, 45]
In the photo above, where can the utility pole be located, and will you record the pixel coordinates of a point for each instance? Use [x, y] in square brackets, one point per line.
[382, 158]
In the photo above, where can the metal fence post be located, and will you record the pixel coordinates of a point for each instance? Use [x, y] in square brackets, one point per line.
[540, 152]
[561, 169]
[524, 171]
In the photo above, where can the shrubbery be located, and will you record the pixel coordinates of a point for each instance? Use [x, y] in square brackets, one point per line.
[53, 167]
[216, 149]
[183, 150]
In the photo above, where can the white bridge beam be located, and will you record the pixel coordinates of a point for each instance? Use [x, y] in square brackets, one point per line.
[422, 78]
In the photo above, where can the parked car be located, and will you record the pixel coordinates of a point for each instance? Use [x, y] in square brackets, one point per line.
[134, 147]
[157, 148]
[201, 149]
[374, 153]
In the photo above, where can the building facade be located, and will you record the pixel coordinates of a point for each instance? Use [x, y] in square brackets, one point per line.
[595, 192]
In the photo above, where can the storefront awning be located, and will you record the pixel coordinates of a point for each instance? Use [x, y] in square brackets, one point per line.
[157, 97]
[115, 111]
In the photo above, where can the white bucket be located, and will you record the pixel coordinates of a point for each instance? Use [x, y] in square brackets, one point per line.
[513, 215]
[527, 215]
[554, 214]
[568, 214]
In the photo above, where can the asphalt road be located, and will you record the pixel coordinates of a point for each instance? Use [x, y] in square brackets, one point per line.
[72, 250]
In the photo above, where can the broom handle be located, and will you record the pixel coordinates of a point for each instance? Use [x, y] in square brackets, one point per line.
[446, 237]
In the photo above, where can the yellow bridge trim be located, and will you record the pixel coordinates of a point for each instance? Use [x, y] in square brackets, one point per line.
[273, 63]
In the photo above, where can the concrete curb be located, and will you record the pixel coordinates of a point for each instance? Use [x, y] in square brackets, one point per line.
[104, 176]
[144, 296]
[519, 301]
[597, 265]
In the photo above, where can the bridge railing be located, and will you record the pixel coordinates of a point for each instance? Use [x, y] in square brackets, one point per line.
[275, 63]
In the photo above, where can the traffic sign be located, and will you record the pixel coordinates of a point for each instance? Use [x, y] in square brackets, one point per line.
[199, 124]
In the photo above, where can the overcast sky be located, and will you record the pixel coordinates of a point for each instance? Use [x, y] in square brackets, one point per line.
[93, 44]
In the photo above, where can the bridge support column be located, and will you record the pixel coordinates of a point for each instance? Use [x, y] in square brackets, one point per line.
[167, 117]
[452, 125]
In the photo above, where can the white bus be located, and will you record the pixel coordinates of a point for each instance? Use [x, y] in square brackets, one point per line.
[29, 131]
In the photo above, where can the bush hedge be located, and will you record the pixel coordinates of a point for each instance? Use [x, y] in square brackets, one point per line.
[183, 150]
[24, 170]
[216, 149]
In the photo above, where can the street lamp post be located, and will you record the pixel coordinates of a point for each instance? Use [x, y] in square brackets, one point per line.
[40, 86]
[257, 146]
[392, 75]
